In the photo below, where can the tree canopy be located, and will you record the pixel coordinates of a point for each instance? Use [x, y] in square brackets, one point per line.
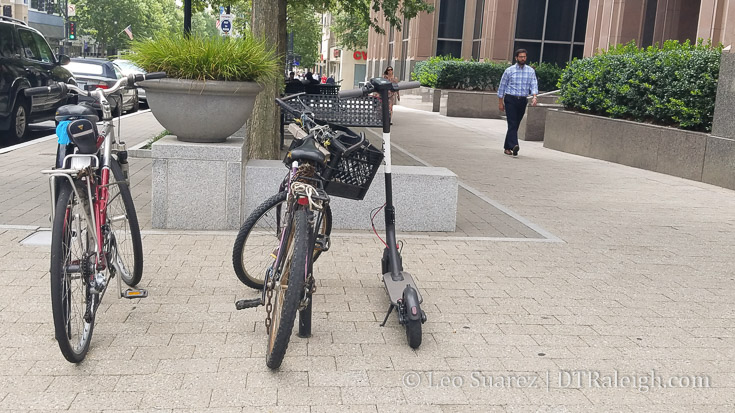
[105, 20]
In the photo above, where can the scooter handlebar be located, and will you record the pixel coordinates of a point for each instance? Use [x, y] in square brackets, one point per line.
[352, 93]
[408, 85]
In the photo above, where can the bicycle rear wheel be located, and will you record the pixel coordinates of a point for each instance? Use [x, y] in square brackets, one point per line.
[123, 222]
[260, 236]
[72, 261]
[289, 290]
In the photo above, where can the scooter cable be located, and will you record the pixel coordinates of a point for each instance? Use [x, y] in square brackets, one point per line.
[372, 222]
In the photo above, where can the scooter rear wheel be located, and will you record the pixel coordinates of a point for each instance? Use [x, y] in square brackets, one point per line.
[413, 333]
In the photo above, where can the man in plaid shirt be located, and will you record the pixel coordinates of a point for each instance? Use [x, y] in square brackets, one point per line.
[517, 83]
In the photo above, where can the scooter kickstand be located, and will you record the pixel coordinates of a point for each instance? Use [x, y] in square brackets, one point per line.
[390, 310]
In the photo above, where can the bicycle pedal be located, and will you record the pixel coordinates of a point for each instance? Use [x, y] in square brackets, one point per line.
[130, 293]
[251, 303]
[321, 243]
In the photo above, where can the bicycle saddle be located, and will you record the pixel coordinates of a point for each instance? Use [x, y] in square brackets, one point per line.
[307, 151]
[80, 111]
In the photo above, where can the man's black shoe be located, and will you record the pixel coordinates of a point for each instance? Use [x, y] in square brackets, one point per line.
[515, 150]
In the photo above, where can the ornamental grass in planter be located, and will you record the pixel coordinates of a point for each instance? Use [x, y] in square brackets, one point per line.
[212, 82]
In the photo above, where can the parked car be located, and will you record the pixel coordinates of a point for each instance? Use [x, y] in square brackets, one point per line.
[129, 67]
[99, 73]
[26, 60]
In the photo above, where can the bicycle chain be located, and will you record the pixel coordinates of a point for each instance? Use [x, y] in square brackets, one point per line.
[268, 309]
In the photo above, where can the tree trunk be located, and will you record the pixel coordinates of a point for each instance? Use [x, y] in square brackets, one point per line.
[268, 21]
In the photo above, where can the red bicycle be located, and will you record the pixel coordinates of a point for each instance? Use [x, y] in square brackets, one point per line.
[95, 234]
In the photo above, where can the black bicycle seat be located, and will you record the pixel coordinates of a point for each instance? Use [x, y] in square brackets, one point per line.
[307, 151]
[80, 111]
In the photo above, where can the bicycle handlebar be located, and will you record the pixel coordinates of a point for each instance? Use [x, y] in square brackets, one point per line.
[65, 87]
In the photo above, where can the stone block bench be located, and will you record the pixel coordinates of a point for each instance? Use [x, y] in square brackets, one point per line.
[466, 104]
[425, 198]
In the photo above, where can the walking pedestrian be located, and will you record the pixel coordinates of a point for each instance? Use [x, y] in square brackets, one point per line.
[517, 83]
[392, 96]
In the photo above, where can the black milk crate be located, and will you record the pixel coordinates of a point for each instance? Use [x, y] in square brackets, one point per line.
[355, 172]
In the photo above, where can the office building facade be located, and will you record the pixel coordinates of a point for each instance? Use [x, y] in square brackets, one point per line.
[552, 31]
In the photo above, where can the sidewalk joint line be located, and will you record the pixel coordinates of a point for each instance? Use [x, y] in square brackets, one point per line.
[534, 227]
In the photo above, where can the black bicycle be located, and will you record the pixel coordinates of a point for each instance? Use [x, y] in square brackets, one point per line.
[277, 245]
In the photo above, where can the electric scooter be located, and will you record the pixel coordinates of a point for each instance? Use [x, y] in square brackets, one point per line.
[404, 295]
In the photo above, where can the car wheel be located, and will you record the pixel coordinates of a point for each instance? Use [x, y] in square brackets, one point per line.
[19, 120]
[136, 103]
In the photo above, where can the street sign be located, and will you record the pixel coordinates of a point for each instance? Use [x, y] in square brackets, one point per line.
[225, 24]
[296, 63]
[71, 10]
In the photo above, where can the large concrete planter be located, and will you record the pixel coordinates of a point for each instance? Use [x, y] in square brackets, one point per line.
[201, 111]
[692, 155]
[466, 104]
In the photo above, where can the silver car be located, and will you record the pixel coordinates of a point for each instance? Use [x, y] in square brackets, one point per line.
[127, 67]
[98, 73]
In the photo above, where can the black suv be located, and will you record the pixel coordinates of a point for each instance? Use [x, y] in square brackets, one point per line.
[26, 60]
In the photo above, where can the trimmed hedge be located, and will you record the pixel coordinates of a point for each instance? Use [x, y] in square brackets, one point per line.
[450, 73]
[672, 86]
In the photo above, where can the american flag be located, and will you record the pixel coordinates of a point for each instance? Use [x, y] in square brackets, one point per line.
[129, 32]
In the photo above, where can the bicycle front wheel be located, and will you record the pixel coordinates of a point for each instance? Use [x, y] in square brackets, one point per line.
[123, 222]
[288, 290]
[260, 236]
[72, 261]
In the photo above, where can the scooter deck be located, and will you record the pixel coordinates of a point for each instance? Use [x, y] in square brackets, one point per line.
[395, 288]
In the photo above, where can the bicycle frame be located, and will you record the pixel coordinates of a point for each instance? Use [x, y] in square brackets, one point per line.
[96, 208]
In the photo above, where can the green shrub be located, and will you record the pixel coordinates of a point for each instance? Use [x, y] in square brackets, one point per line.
[452, 73]
[207, 58]
[675, 85]
[548, 75]
[427, 71]
[470, 75]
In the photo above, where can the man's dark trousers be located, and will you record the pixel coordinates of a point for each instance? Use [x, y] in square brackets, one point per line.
[515, 108]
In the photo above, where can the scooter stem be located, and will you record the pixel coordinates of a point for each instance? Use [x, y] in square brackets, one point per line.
[390, 212]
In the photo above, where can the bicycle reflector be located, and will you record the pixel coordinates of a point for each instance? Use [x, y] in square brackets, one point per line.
[303, 200]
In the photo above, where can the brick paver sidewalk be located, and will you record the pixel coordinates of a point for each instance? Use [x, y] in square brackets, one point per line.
[642, 284]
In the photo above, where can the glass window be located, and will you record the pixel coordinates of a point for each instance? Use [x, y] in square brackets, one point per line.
[118, 72]
[30, 48]
[649, 23]
[556, 53]
[84, 68]
[405, 29]
[580, 29]
[46, 55]
[577, 51]
[533, 50]
[530, 21]
[476, 50]
[479, 11]
[449, 48]
[560, 20]
[7, 48]
[451, 19]
[564, 30]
